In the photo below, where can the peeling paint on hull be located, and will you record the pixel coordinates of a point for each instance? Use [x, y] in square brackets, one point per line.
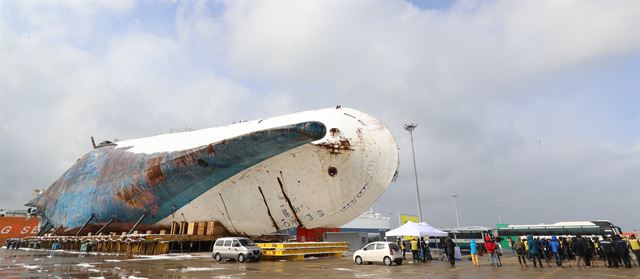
[255, 177]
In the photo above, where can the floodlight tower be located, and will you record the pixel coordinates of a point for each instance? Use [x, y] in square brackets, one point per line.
[410, 127]
[455, 205]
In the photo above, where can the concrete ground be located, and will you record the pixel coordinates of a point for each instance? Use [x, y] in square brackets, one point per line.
[43, 264]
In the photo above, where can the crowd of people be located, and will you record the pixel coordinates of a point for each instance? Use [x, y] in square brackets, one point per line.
[421, 253]
[578, 251]
[613, 251]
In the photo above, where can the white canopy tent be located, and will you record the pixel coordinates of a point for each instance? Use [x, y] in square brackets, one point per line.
[433, 232]
[408, 229]
[414, 229]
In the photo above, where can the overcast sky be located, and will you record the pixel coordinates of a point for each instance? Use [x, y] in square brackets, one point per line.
[533, 106]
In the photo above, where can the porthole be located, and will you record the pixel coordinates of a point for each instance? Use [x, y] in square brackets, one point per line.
[332, 171]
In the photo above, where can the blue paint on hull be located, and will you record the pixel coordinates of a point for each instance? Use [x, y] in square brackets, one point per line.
[110, 182]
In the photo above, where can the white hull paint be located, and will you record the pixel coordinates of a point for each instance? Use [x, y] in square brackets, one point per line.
[263, 198]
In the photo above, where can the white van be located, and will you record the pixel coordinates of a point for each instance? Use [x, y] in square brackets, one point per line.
[236, 248]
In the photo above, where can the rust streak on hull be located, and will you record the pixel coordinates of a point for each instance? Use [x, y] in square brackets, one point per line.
[153, 174]
[275, 225]
[227, 212]
[295, 214]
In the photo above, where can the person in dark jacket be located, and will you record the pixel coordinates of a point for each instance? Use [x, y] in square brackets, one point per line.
[566, 250]
[607, 251]
[427, 250]
[407, 245]
[423, 250]
[555, 249]
[450, 250]
[622, 250]
[588, 254]
[545, 250]
[521, 251]
[511, 243]
[534, 251]
[579, 249]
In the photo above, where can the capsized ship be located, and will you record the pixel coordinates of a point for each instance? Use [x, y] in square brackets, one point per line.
[319, 168]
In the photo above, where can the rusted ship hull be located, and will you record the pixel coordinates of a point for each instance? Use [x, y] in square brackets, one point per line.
[311, 169]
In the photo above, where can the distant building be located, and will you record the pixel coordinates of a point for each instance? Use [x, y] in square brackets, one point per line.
[17, 224]
[371, 223]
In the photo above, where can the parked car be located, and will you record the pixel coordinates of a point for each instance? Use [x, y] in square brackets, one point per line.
[236, 248]
[379, 251]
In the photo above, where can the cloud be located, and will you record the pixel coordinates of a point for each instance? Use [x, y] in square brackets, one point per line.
[57, 93]
[305, 42]
[523, 105]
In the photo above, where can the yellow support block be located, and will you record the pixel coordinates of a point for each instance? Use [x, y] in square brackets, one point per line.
[264, 246]
[298, 250]
[310, 245]
[300, 245]
[302, 251]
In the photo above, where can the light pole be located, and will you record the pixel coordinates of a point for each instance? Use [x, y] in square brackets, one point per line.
[499, 209]
[410, 127]
[455, 205]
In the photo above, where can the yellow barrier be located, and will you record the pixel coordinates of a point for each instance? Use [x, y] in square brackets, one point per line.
[303, 245]
[299, 250]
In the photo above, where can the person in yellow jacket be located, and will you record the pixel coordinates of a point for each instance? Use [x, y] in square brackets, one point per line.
[402, 248]
[635, 247]
[415, 249]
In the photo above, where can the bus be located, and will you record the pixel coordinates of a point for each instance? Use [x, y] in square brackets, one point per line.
[598, 227]
[463, 235]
